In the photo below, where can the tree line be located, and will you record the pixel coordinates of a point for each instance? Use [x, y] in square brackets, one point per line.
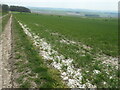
[6, 8]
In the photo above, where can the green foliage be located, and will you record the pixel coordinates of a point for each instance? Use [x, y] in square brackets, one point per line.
[5, 8]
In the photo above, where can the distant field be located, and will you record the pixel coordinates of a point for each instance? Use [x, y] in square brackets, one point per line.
[98, 33]
[86, 46]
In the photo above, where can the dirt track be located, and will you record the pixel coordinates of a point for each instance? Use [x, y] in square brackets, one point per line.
[5, 55]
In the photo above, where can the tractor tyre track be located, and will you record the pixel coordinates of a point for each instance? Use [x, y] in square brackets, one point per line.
[5, 56]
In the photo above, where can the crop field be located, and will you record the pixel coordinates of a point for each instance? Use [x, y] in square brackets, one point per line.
[66, 51]
[99, 33]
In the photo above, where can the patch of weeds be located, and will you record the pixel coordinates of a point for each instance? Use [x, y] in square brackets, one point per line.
[49, 62]
[84, 61]
[20, 79]
[57, 60]
[25, 84]
[17, 56]
[64, 67]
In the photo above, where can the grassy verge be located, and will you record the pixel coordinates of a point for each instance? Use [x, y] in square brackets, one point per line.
[4, 13]
[3, 22]
[31, 70]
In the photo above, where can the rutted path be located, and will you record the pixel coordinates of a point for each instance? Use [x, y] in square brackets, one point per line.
[5, 55]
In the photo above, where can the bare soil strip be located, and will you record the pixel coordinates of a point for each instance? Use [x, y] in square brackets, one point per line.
[5, 55]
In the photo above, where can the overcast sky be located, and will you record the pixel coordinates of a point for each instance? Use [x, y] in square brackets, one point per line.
[81, 4]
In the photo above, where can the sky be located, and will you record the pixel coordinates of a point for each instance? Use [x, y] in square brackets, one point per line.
[109, 5]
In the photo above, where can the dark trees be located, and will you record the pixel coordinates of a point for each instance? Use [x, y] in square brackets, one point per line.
[5, 8]
[19, 9]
